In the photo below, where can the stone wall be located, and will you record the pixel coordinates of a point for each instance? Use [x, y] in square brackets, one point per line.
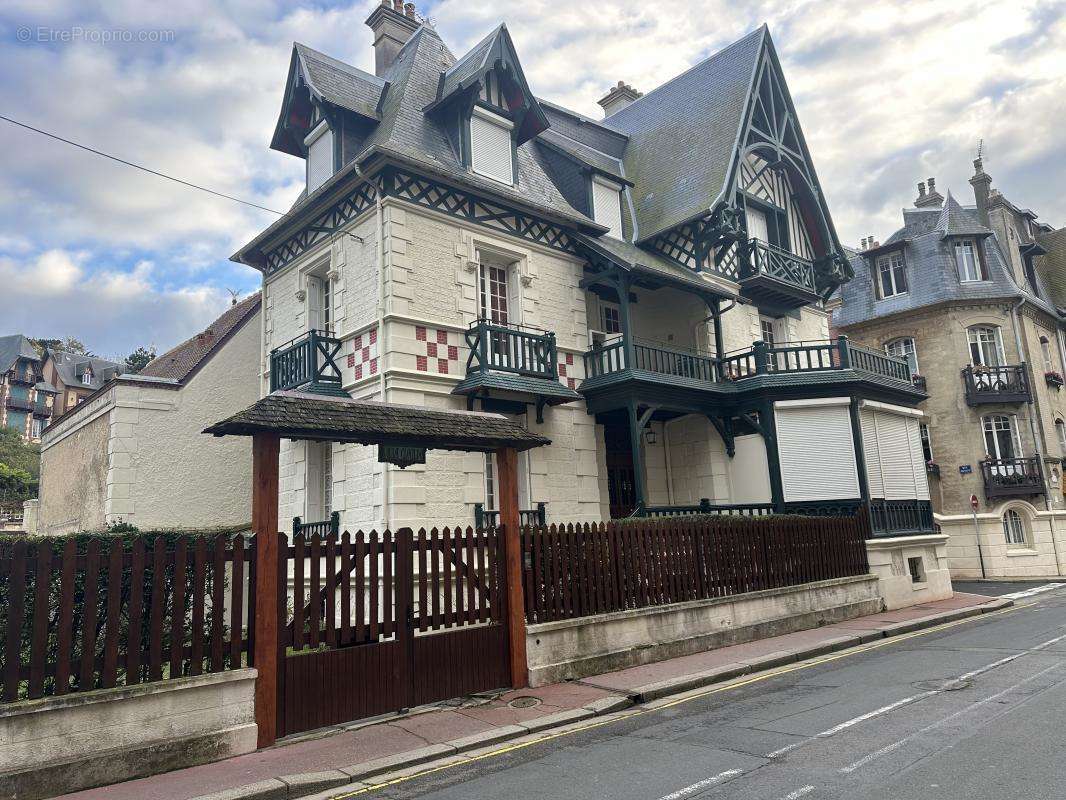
[1042, 556]
[57, 745]
[889, 561]
[74, 470]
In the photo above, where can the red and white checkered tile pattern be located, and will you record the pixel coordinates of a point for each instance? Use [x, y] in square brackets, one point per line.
[564, 368]
[442, 350]
[364, 355]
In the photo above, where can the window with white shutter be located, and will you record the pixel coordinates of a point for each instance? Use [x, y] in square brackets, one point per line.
[490, 146]
[607, 205]
[319, 156]
[895, 462]
[816, 451]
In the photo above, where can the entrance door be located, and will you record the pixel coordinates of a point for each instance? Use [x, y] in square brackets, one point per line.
[621, 479]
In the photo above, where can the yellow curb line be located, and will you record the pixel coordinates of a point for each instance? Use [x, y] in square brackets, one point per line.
[622, 715]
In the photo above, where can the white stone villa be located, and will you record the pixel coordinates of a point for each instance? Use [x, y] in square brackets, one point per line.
[645, 290]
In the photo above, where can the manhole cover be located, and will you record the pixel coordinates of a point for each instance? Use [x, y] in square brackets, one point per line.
[524, 702]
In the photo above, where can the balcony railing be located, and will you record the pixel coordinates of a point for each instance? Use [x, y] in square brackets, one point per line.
[535, 517]
[705, 506]
[19, 403]
[774, 262]
[1009, 384]
[322, 528]
[897, 517]
[308, 361]
[512, 348]
[1012, 477]
[761, 359]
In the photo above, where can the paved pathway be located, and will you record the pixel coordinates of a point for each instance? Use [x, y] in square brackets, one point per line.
[477, 722]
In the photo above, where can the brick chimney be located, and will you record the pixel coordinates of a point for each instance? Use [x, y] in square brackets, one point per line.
[393, 23]
[930, 199]
[618, 98]
[982, 189]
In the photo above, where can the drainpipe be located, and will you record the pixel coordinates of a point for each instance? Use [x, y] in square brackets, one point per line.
[1037, 440]
[382, 387]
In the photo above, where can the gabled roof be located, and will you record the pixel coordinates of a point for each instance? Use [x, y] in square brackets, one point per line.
[14, 347]
[331, 81]
[495, 49]
[181, 362]
[72, 366]
[954, 221]
[683, 136]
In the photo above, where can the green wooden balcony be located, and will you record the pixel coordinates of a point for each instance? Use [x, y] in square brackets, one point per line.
[308, 362]
[770, 275]
[514, 349]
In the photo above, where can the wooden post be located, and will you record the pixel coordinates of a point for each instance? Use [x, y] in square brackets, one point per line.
[507, 470]
[265, 449]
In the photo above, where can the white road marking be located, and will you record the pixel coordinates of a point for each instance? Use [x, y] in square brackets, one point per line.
[875, 713]
[876, 754]
[803, 790]
[1047, 587]
[714, 779]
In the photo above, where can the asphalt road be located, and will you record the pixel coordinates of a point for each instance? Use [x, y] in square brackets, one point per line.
[972, 711]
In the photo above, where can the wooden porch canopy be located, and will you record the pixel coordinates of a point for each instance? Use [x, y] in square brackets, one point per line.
[325, 418]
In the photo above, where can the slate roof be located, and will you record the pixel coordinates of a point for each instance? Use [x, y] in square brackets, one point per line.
[180, 362]
[298, 415]
[931, 272]
[341, 84]
[71, 366]
[14, 347]
[1052, 267]
[553, 391]
[692, 120]
[583, 153]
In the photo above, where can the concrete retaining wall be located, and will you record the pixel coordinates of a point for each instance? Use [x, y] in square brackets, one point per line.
[61, 744]
[590, 645]
[889, 562]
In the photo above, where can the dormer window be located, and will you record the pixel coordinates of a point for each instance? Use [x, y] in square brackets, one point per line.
[891, 275]
[87, 377]
[607, 205]
[491, 92]
[968, 261]
[491, 147]
[320, 164]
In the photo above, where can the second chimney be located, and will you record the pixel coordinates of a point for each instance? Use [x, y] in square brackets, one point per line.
[393, 23]
[618, 98]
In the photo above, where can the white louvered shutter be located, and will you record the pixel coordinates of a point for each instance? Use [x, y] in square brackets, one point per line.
[319, 161]
[921, 480]
[490, 149]
[607, 206]
[817, 453]
[872, 454]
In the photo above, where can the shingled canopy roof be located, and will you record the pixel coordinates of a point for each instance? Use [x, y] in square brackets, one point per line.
[299, 415]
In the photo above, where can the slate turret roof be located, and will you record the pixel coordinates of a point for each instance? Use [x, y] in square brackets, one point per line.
[13, 348]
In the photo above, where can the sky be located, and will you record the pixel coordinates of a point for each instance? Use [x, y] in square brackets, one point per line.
[888, 93]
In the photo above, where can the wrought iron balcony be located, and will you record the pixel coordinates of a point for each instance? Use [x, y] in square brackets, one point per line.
[1012, 477]
[705, 506]
[307, 362]
[776, 276]
[42, 409]
[535, 517]
[1009, 384]
[899, 517]
[19, 403]
[512, 348]
[761, 360]
[322, 528]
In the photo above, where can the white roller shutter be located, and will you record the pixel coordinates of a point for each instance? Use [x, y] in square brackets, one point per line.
[817, 452]
[607, 206]
[921, 479]
[490, 147]
[871, 453]
[319, 160]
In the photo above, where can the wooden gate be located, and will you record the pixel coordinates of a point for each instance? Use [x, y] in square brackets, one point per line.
[380, 622]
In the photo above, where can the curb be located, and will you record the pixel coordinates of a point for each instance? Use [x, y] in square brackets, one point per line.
[324, 785]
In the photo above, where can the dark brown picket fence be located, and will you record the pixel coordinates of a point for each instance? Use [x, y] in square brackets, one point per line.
[579, 570]
[96, 612]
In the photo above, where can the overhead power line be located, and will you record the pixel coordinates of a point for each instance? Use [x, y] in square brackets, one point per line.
[139, 166]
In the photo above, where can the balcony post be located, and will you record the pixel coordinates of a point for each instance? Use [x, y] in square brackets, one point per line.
[553, 356]
[761, 353]
[621, 283]
[845, 352]
[639, 477]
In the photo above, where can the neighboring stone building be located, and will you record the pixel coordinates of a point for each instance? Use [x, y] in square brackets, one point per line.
[964, 294]
[75, 376]
[26, 399]
[133, 451]
[464, 243]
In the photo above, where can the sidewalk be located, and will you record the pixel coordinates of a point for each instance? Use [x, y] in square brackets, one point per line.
[352, 754]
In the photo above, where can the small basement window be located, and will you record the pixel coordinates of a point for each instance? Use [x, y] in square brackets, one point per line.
[916, 567]
[491, 150]
[607, 205]
[319, 156]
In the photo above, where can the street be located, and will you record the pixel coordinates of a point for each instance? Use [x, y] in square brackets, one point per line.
[973, 710]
